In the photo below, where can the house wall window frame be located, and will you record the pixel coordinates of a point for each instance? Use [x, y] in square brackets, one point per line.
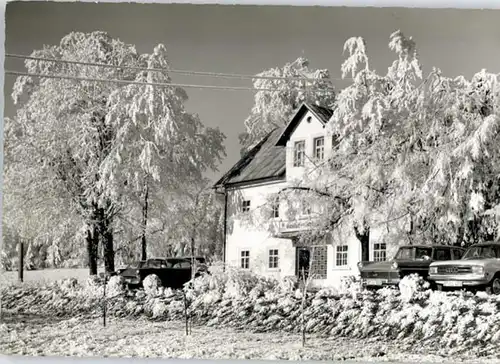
[245, 206]
[341, 256]
[274, 258]
[245, 259]
[299, 153]
[319, 148]
[275, 209]
[379, 252]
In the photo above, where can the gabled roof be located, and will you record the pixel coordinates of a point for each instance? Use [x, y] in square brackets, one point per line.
[264, 161]
[267, 160]
[321, 113]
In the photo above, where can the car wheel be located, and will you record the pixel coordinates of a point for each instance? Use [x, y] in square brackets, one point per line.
[494, 287]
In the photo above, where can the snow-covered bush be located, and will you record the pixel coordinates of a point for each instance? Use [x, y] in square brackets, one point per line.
[351, 285]
[410, 287]
[68, 284]
[115, 286]
[151, 284]
[414, 314]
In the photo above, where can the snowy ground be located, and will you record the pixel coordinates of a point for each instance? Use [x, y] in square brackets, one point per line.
[51, 275]
[131, 338]
[48, 275]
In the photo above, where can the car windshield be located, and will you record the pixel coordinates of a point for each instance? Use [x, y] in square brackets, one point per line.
[482, 252]
[136, 265]
[413, 253]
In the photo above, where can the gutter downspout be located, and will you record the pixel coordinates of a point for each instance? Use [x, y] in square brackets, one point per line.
[224, 192]
[225, 230]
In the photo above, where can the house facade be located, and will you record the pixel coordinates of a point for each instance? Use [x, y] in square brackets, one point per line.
[259, 234]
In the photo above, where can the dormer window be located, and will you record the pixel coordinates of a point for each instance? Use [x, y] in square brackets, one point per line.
[319, 148]
[299, 153]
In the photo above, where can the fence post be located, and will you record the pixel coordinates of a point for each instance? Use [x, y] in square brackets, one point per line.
[21, 261]
[186, 312]
[104, 300]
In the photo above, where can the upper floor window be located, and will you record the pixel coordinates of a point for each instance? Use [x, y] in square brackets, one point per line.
[275, 209]
[319, 148]
[335, 141]
[306, 208]
[245, 206]
[299, 153]
[379, 252]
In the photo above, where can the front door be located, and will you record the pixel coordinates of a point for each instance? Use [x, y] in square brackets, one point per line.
[303, 257]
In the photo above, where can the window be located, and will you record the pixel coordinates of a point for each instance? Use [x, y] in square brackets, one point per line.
[442, 254]
[275, 209]
[299, 153]
[184, 264]
[273, 258]
[319, 148]
[245, 206]
[306, 208]
[421, 253]
[335, 141]
[341, 258]
[245, 259]
[379, 252]
[457, 253]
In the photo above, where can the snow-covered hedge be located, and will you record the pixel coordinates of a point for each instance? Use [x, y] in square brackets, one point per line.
[243, 301]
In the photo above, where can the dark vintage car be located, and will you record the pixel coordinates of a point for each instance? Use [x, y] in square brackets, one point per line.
[173, 272]
[409, 259]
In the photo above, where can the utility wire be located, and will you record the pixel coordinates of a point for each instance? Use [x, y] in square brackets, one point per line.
[158, 84]
[184, 72]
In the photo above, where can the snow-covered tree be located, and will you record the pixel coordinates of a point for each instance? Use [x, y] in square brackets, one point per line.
[159, 145]
[274, 108]
[94, 145]
[416, 154]
[415, 157]
[193, 222]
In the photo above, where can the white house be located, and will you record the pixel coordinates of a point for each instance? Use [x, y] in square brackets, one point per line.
[272, 165]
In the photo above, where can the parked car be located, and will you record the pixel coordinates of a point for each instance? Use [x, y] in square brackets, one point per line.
[409, 259]
[172, 272]
[479, 269]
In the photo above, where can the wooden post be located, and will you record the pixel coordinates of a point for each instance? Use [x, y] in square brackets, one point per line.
[21, 261]
[186, 313]
[104, 300]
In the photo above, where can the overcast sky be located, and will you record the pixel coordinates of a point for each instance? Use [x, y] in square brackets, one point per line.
[248, 39]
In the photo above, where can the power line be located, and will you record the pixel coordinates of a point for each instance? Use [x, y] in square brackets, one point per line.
[184, 72]
[158, 84]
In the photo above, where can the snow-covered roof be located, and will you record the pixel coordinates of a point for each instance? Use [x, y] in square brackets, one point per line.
[267, 160]
[323, 115]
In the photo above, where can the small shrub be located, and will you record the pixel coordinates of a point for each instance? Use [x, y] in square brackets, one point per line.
[410, 287]
[151, 284]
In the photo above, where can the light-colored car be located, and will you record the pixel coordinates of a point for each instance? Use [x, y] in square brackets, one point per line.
[478, 269]
[409, 259]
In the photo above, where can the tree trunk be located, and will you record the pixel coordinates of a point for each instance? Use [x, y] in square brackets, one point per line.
[106, 236]
[364, 239]
[107, 243]
[92, 245]
[144, 222]
[192, 257]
